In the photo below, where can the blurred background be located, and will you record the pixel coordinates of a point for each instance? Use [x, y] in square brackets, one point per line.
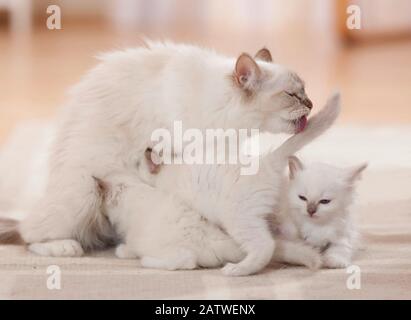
[370, 65]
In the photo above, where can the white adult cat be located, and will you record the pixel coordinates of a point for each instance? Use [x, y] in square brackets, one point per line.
[241, 205]
[238, 204]
[319, 200]
[108, 120]
[168, 234]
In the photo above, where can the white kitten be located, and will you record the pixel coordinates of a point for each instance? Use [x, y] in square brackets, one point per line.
[237, 203]
[319, 200]
[158, 228]
[110, 116]
[168, 234]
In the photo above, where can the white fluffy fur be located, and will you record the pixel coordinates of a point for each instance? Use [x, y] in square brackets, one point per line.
[167, 233]
[108, 120]
[160, 229]
[241, 204]
[331, 227]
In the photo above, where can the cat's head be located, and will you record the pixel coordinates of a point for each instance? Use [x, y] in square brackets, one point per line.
[277, 93]
[320, 192]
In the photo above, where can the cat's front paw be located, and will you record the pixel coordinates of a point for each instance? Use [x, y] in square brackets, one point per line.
[335, 262]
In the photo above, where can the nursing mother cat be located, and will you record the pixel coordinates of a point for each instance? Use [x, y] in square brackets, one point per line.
[110, 115]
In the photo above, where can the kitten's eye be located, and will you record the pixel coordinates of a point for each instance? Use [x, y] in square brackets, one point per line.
[325, 201]
[302, 198]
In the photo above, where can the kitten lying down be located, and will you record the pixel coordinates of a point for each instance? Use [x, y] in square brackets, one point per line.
[166, 233]
[317, 210]
[213, 195]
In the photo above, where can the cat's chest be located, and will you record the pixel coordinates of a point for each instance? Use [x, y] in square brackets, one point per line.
[318, 236]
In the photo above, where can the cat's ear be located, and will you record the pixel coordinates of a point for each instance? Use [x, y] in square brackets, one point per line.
[247, 72]
[264, 54]
[354, 173]
[102, 186]
[294, 165]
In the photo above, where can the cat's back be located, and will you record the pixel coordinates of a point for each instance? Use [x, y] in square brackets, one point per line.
[181, 78]
[156, 57]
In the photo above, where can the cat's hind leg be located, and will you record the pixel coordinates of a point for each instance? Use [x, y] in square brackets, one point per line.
[57, 248]
[72, 214]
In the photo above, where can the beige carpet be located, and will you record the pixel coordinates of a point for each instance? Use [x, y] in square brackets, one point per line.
[383, 208]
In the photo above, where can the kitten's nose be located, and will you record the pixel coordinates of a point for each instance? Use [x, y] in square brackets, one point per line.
[311, 209]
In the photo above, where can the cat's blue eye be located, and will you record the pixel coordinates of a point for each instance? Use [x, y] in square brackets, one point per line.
[325, 201]
[302, 198]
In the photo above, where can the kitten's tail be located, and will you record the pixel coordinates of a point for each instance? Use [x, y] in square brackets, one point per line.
[9, 232]
[316, 126]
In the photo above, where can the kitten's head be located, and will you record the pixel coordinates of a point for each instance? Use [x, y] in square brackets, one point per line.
[116, 191]
[321, 192]
[273, 90]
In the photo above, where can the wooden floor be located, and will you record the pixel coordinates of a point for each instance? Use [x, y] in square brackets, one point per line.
[375, 79]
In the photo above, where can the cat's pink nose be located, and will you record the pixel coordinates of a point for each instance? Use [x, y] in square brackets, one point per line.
[311, 209]
[311, 212]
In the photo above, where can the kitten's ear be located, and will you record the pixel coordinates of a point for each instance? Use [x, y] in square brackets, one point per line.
[102, 186]
[153, 161]
[247, 71]
[354, 173]
[264, 54]
[294, 165]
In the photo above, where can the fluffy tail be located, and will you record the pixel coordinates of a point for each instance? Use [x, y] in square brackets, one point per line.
[9, 233]
[316, 126]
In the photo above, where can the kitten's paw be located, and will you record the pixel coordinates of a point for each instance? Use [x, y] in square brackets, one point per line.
[335, 262]
[314, 262]
[123, 252]
[57, 248]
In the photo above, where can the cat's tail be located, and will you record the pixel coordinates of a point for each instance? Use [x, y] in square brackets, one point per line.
[316, 126]
[9, 232]
[296, 252]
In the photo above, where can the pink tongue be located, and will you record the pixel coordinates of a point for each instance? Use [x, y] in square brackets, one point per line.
[301, 124]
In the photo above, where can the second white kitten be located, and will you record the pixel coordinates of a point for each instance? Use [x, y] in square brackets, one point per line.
[319, 201]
